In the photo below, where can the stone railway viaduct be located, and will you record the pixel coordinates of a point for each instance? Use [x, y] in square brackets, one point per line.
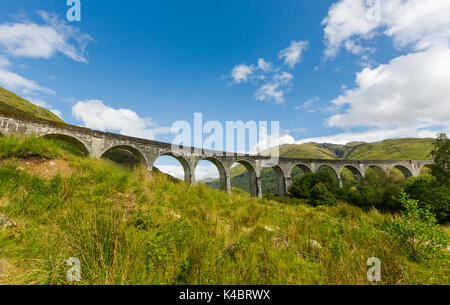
[97, 143]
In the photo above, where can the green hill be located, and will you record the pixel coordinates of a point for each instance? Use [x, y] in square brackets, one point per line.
[392, 149]
[128, 228]
[10, 103]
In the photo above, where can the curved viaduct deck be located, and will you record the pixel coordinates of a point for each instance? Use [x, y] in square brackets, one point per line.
[96, 143]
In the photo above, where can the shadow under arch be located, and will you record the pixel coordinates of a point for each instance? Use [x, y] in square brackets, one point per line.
[220, 167]
[302, 167]
[405, 171]
[62, 138]
[425, 169]
[252, 175]
[134, 151]
[357, 176]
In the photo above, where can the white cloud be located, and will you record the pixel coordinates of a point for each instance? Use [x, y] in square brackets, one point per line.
[241, 73]
[173, 170]
[96, 115]
[308, 105]
[418, 23]
[27, 39]
[203, 172]
[293, 54]
[275, 89]
[272, 81]
[273, 139]
[19, 84]
[373, 135]
[264, 65]
[411, 90]
[407, 96]
[4, 62]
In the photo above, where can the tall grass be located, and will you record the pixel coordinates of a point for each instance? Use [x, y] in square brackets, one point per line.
[128, 228]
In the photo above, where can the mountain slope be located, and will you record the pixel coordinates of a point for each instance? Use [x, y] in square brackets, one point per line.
[10, 103]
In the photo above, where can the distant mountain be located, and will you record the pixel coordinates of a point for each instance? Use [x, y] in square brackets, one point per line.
[392, 149]
[10, 103]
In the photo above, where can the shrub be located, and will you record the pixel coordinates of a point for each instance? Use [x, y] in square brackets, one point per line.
[321, 196]
[418, 229]
[427, 190]
[302, 185]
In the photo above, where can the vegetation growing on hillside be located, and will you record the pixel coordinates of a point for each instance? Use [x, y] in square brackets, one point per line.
[380, 191]
[127, 228]
[13, 104]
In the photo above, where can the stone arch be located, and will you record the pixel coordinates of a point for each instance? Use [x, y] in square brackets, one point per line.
[254, 187]
[355, 171]
[185, 163]
[405, 171]
[336, 174]
[220, 167]
[69, 138]
[135, 151]
[374, 167]
[305, 168]
[281, 180]
[423, 167]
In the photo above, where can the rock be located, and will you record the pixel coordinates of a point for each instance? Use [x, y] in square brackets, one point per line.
[51, 163]
[269, 229]
[6, 223]
[175, 214]
[314, 244]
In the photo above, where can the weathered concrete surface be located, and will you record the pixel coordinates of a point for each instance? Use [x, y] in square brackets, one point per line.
[96, 143]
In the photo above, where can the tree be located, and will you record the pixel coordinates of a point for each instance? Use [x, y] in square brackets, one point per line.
[441, 154]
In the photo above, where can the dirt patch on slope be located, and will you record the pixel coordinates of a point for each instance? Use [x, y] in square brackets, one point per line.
[46, 168]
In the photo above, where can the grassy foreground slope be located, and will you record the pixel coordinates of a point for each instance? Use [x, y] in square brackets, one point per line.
[392, 149]
[127, 228]
[13, 104]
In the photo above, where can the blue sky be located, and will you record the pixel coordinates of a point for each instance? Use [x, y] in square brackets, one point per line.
[135, 67]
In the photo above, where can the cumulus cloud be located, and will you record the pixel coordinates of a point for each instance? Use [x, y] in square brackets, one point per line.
[241, 73]
[173, 170]
[408, 96]
[96, 115]
[20, 84]
[293, 54]
[410, 90]
[206, 171]
[27, 39]
[273, 83]
[275, 89]
[373, 135]
[308, 105]
[418, 23]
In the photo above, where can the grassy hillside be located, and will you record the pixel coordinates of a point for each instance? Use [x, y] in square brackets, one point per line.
[127, 228]
[13, 104]
[393, 149]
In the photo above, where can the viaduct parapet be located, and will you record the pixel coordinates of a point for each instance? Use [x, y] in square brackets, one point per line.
[97, 143]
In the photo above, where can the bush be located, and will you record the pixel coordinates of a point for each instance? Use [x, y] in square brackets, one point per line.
[418, 229]
[430, 194]
[301, 188]
[321, 196]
